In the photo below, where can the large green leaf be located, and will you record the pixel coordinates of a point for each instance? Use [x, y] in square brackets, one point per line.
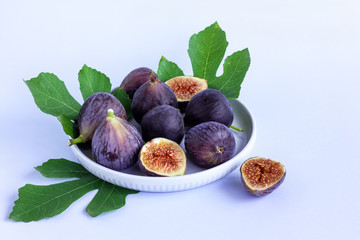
[108, 198]
[92, 81]
[206, 51]
[168, 69]
[52, 97]
[39, 202]
[235, 68]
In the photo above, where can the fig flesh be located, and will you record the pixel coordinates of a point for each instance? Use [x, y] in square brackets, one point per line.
[185, 88]
[151, 94]
[261, 176]
[93, 112]
[210, 144]
[116, 143]
[163, 121]
[162, 157]
[208, 105]
[135, 79]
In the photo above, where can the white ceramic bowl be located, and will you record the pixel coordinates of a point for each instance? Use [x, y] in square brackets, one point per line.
[194, 176]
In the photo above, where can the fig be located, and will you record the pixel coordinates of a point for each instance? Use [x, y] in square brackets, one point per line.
[151, 94]
[185, 88]
[116, 143]
[93, 112]
[162, 157]
[210, 144]
[261, 176]
[208, 105]
[152, 124]
[135, 79]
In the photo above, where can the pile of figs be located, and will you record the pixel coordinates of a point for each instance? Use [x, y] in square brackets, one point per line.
[166, 113]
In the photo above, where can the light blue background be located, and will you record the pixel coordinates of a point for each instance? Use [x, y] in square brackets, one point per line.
[302, 87]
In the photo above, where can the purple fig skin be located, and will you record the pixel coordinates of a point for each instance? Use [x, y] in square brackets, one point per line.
[135, 79]
[151, 94]
[208, 105]
[210, 144]
[93, 112]
[116, 143]
[263, 192]
[163, 121]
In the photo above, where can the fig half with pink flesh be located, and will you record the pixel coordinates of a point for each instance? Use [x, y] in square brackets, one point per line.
[261, 176]
[185, 88]
[162, 157]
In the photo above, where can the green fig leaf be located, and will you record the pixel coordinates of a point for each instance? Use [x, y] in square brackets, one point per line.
[125, 100]
[108, 198]
[168, 69]
[62, 168]
[206, 51]
[38, 202]
[67, 124]
[92, 81]
[235, 68]
[52, 97]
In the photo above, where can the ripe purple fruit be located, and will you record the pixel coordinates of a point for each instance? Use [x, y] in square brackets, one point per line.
[116, 143]
[163, 121]
[210, 144]
[135, 79]
[208, 105]
[151, 94]
[93, 112]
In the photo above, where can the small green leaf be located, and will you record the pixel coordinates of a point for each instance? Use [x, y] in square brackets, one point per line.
[67, 124]
[62, 168]
[38, 202]
[92, 81]
[168, 69]
[52, 97]
[108, 198]
[124, 99]
[235, 68]
[206, 51]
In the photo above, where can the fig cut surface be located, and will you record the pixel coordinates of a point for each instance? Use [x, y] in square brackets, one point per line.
[186, 87]
[261, 176]
[162, 157]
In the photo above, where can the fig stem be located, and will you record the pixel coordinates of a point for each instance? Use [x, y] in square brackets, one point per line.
[236, 128]
[111, 113]
[152, 76]
[77, 140]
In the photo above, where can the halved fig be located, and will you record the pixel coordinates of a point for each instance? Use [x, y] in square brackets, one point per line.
[185, 88]
[162, 157]
[261, 176]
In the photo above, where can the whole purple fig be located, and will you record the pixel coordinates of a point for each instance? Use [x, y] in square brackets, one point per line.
[135, 79]
[116, 143]
[151, 94]
[152, 124]
[208, 105]
[93, 112]
[210, 144]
